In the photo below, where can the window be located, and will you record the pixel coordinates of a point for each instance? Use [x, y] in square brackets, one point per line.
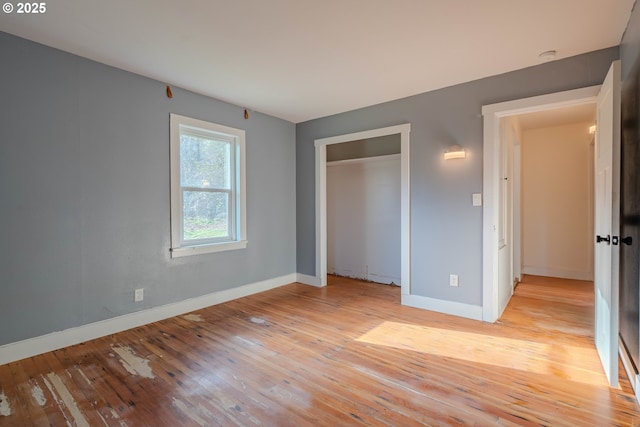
[207, 187]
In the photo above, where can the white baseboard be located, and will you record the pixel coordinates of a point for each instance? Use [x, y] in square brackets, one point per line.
[309, 280]
[557, 272]
[55, 340]
[442, 306]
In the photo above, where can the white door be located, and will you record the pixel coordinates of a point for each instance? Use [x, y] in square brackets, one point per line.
[607, 175]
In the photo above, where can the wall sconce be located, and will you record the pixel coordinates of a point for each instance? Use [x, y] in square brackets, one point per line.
[592, 129]
[455, 152]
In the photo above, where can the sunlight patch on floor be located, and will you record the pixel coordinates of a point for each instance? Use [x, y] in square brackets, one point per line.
[572, 363]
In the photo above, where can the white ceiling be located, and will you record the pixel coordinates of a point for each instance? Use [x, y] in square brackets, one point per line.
[303, 59]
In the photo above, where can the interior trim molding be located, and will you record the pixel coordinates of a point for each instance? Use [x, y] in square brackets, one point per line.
[442, 306]
[306, 279]
[56, 340]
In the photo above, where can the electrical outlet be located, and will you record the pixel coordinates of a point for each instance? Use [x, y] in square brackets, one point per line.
[453, 280]
[138, 295]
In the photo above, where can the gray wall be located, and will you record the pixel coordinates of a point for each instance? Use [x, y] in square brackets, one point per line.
[446, 231]
[84, 200]
[372, 147]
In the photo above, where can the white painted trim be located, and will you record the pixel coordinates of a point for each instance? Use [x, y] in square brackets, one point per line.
[321, 214]
[207, 249]
[490, 180]
[575, 97]
[405, 210]
[405, 200]
[363, 160]
[557, 272]
[441, 306]
[516, 236]
[367, 134]
[53, 341]
[305, 279]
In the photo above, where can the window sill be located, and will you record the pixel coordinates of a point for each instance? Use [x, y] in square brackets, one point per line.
[206, 249]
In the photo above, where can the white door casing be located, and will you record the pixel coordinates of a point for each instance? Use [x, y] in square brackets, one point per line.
[505, 217]
[607, 222]
[517, 212]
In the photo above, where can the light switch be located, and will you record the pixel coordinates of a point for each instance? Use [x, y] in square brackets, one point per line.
[476, 199]
[453, 280]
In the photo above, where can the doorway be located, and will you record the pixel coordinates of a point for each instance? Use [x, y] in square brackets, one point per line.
[321, 198]
[554, 196]
[498, 271]
[606, 203]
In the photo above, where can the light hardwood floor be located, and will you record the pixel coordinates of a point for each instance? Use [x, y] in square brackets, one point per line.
[348, 354]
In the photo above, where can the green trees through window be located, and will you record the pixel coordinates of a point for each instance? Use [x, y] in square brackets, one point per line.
[205, 177]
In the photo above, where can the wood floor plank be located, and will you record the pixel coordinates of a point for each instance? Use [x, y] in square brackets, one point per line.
[42, 406]
[347, 354]
[310, 349]
[224, 384]
[12, 399]
[29, 392]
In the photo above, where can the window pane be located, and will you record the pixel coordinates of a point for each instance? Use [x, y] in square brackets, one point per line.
[205, 215]
[204, 162]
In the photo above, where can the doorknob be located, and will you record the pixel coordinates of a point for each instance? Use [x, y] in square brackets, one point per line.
[615, 239]
[603, 239]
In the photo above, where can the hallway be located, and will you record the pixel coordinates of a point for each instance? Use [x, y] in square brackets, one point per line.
[548, 304]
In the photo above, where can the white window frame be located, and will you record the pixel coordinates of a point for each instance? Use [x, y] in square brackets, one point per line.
[237, 219]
